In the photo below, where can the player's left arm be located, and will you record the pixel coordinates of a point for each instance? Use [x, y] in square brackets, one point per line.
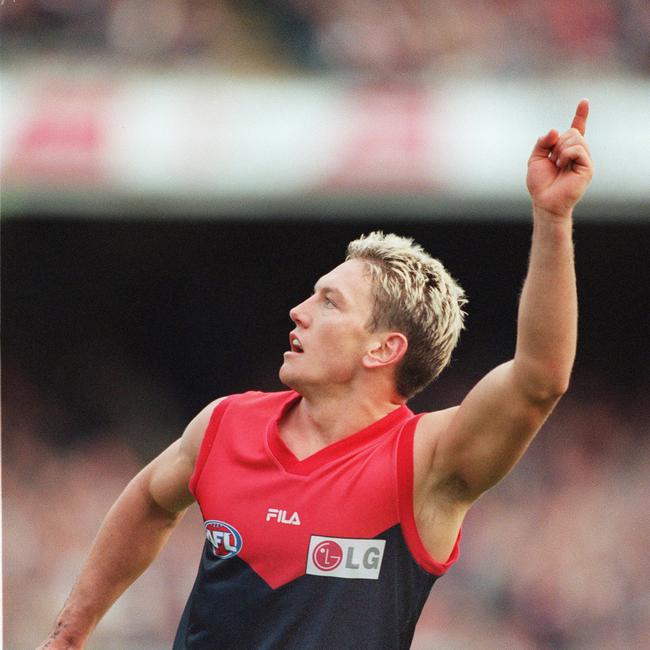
[497, 420]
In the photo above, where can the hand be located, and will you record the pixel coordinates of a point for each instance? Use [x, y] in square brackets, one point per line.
[560, 167]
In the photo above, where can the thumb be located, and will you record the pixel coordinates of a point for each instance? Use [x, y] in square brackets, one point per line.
[544, 144]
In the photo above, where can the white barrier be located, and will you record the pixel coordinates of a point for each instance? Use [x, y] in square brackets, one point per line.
[224, 146]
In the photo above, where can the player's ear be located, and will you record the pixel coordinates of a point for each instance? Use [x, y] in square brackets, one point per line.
[388, 349]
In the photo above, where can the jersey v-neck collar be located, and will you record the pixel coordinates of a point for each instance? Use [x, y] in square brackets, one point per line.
[292, 464]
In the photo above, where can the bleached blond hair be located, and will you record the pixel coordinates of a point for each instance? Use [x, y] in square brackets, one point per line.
[415, 295]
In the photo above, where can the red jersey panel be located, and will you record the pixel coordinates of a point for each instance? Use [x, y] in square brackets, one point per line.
[335, 528]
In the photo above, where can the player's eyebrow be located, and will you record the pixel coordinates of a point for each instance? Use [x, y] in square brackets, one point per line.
[322, 288]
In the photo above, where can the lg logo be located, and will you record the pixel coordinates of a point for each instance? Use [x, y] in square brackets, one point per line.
[340, 557]
[327, 555]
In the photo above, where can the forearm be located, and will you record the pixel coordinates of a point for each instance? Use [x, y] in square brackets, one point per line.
[548, 311]
[132, 534]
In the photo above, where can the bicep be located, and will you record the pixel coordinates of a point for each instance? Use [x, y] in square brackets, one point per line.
[166, 479]
[487, 434]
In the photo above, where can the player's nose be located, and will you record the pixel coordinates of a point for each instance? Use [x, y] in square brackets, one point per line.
[299, 315]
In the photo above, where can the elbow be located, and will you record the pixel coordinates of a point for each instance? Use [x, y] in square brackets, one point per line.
[562, 385]
[556, 391]
[545, 385]
[549, 390]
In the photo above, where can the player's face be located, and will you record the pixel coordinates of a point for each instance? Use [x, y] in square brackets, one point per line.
[330, 337]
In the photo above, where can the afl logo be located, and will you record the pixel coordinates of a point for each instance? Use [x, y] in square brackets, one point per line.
[225, 539]
[327, 555]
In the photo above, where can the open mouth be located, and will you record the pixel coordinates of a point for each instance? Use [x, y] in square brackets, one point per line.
[296, 345]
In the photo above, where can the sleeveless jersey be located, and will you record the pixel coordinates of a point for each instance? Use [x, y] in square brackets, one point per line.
[319, 553]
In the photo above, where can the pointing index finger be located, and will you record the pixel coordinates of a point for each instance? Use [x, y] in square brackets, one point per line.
[580, 119]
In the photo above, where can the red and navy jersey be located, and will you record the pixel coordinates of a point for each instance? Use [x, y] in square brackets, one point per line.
[299, 554]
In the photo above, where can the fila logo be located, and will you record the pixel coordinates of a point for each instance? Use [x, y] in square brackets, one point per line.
[341, 557]
[281, 516]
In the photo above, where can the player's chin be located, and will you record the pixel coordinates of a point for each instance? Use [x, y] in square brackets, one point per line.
[287, 377]
[295, 380]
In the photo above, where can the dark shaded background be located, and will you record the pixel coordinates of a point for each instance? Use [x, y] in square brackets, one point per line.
[201, 309]
[115, 334]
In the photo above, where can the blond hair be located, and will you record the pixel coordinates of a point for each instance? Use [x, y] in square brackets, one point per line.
[415, 295]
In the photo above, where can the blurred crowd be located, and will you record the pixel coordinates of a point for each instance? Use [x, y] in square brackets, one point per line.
[377, 37]
[554, 557]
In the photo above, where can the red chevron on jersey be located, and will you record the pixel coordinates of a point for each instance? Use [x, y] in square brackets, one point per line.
[331, 495]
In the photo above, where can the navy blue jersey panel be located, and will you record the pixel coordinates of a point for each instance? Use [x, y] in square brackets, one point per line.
[232, 607]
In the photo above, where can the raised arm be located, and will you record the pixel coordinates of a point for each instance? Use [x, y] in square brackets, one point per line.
[476, 444]
[131, 536]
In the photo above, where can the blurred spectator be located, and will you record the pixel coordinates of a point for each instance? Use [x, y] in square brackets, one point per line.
[555, 556]
[404, 36]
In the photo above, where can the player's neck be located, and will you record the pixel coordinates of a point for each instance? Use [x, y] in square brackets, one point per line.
[315, 423]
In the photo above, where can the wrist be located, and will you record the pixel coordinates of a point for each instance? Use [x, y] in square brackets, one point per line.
[68, 633]
[62, 642]
[564, 215]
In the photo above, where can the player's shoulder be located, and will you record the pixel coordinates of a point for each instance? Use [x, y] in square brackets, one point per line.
[439, 418]
[433, 424]
[265, 396]
[239, 405]
[244, 402]
[260, 399]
